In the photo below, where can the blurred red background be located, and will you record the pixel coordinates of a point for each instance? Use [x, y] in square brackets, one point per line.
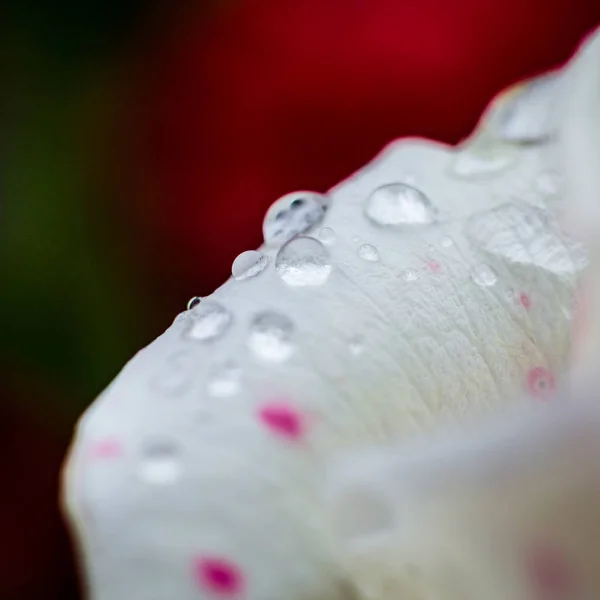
[144, 142]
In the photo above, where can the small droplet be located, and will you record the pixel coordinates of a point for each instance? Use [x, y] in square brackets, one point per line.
[293, 214]
[209, 320]
[160, 464]
[270, 336]
[225, 382]
[484, 276]
[327, 235]
[368, 252]
[357, 345]
[399, 204]
[409, 275]
[193, 302]
[303, 261]
[446, 242]
[249, 264]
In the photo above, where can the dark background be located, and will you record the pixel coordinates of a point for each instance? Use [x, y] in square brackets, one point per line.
[141, 144]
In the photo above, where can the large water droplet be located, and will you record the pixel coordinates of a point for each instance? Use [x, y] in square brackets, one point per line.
[484, 276]
[398, 204]
[160, 464]
[249, 264]
[292, 215]
[209, 320]
[327, 235]
[225, 381]
[481, 159]
[270, 336]
[368, 252]
[193, 302]
[303, 261]
[527, 235]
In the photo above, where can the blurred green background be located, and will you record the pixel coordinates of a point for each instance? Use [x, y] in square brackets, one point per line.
[142, 142]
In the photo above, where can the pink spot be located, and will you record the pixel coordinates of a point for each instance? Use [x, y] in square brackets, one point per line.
[218, 575]
[525, 301]
[540, 382]
[549, 574]
[283, 419]
[434, 266]
[109, 448]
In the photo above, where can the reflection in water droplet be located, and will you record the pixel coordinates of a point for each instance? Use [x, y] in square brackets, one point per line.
[209, 320]
[527, 235]
[398, 204]
[303, 261]
[482, 159]
[446, 242]
[270, 336]
[368, 252]
[160, 464]
[327, 235]
[357, 345]
[293, 214]
[225, 381]
[409, 275]
[248, 264]
[484, 276]
[193, 302]
[174, 377]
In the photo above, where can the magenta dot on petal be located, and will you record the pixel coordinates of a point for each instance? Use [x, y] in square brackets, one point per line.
[434, 266]
[525, 301]
[282, 419]
[109, 448]
[218, 575]
[540, 382]
[550, 574]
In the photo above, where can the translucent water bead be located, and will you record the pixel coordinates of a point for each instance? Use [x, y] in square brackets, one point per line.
[292, 215]
[303, 261]
[209, 320]
[399, 204]
[270, 336]
[248, 264]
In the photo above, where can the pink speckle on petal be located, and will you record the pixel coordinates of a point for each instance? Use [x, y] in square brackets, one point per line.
[283, 419]
[525, 301]
[109, 448]
[218, 575]
[434, 266]
[550, 575]
[540, 382]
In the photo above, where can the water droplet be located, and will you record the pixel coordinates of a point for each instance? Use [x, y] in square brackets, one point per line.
[193, 302]
[368, 252]
[525, 114]
[409, 275]
[249, 264]
[160, 464]
[357, 345]
[447, 242]
[398, 204]
[209, 320]
[293, 214]
[303, 261]
[225, 381]
[526, 235]
[270, 336]
[327, 235]
[484, 276]
[483, 158]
